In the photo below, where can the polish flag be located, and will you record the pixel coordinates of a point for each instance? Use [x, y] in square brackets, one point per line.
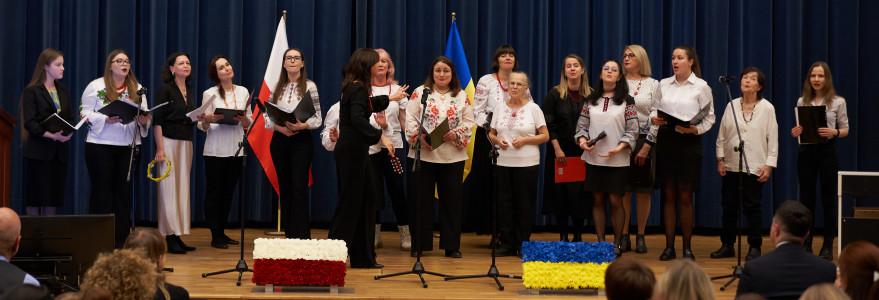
[260, 138]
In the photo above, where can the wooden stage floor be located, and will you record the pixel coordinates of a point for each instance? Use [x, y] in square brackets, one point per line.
[477, 259]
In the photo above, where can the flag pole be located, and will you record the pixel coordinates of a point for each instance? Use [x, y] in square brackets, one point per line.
[453, 16]
[279, 232]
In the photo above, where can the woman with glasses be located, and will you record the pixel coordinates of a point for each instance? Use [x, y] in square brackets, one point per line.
[608, 112]
[442, 166]
[173, 134]
[642, 164]
[107, 151]
[821, 161]
[518, 128]
[291, 145]
[685, 97]
[561, 109]
[222, 167]
[491, 90]
[45, 152]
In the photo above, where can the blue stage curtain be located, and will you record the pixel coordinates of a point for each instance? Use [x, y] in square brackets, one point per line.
[782, 38]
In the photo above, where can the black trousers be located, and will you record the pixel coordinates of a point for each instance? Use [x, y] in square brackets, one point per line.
[384, 175]
[354, 219]
[478, 214]
[110, 192]
[517, 188]
[446, 177]
[221, 176]
[292, 159]
[751, 200]
[814, 162]
[45, 182]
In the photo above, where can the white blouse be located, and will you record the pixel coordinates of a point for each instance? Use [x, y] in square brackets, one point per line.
[645, 91]
[620, 124]
[392, 116]
[489, 92]
[289, 100]
[117, 134]
[691, 100]
[760, 132]
[331, 121]
[457, 109]
[511, 123]
[222, 139]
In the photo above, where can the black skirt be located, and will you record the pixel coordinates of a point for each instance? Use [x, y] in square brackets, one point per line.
[605, 179]
[678, 157]
[642, 178]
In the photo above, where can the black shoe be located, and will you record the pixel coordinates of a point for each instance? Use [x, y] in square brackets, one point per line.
[563, 237]
[827, 248]
[453, 253]
[577, 238]
[807, 243]
[219, 244]
[229, 240]
[372, 266]
[182, 245]
[640, 245]
[505, 251]
[688, 253]
[626, 243]
[173, 246]
[726, 250]
[668, 254]
[753, 252]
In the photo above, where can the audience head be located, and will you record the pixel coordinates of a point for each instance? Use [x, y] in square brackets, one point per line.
[150, 242]
[858, 267]
[750, 296]
[684, 279]
[505, 59]
[791, 223]
[10, 232]
[824, 291]
[359, 67]
[628, 278]
[125, 273]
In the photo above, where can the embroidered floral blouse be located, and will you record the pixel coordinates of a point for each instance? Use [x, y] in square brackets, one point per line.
[458, 110]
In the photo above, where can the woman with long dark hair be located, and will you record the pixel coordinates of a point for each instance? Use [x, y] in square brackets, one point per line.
[291, 145]
[173, 134]
[107, 151]
[45, 152]
[821, 161]
[610, 111]
[686, 97]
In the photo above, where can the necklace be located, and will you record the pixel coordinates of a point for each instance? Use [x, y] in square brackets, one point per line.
[234, 99]
[442, 93]
[182, 91]
[575, 96]
[608, 91]
[639, 87]
[499, 83]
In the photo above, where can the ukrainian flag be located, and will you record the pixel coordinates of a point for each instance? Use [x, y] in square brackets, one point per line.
[455, 51]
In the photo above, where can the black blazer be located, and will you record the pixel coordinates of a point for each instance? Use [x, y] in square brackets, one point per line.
[561, 121]
[785, 273]
[36, 106]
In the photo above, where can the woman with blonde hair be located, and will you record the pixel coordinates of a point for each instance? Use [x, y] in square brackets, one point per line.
[684, 279]
[824, 291]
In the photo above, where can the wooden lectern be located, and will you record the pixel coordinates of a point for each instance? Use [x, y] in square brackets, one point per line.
[7, 122]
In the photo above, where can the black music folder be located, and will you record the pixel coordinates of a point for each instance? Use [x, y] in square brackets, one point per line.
[56, 123]
[811, 118]
[672, 120]
[228, 115]
[126, 110]
[303, 111]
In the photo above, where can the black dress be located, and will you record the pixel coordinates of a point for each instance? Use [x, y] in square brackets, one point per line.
[567, 198]
[354, 219]
[45, 160]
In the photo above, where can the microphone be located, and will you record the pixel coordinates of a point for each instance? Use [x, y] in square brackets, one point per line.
[726, 79]
[596, 139]
[488, 120]
[141, 91]
[424, 93]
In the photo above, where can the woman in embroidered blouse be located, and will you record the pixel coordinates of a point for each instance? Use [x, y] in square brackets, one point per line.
[821, 161]
[642, 165]
[354, 219]
[443, 166]
[759, 129]
[173, 134]
[389, 121]
[107, 149]
[222, 167]
[684, 96]
[561, 109]
[611, 111]
[518, 128]
[45, 152]
[291, 145]
[491, 89]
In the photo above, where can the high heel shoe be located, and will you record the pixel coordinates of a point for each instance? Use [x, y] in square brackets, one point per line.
[626, 243]
[668, 254]
[173, 246]
[183, 245]
[640, 245]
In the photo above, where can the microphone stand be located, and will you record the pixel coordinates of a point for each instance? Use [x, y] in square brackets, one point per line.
[135, 152]
[493, 272]
[418, 268]
[241, 266]
[737, 269]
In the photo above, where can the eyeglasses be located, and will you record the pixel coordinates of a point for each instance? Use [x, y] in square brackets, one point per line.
[606, 68]
[122, 62]
[293, 58]
[629, 55]
[519, 84]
